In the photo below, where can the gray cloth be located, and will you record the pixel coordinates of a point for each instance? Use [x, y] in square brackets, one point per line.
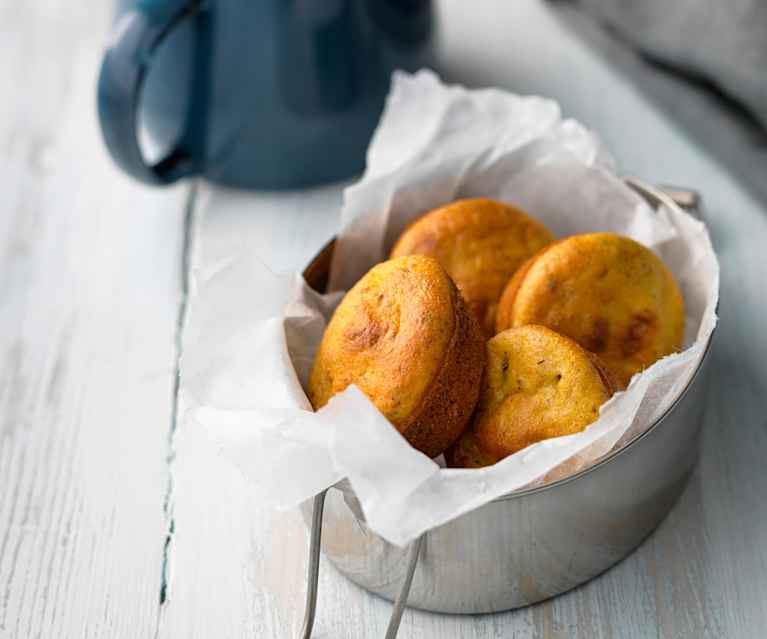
[724, 41]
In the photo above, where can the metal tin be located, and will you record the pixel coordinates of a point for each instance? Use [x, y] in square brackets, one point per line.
[531, 544]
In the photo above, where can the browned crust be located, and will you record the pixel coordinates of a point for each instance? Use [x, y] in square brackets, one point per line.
[422, 225]
[506, 303]
[467, 453]
[609, 380]
[451, 397]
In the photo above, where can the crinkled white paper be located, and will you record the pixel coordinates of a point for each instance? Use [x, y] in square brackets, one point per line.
[246, 355]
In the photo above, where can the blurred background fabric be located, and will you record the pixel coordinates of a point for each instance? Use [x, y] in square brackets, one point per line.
[721, 41]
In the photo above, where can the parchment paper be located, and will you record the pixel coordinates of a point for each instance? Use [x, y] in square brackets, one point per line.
[252, 333]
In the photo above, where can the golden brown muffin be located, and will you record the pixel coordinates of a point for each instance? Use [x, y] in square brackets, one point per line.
[480, 242]
[537, 384]
[404, 336]
[609, 293]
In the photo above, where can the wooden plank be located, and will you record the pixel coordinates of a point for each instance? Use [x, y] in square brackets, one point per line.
[90, 272]
[216, 582]
[239, 570]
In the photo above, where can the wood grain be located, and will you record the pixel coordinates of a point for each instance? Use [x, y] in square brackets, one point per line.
[89, 295]
[220, 532]
[239, 570]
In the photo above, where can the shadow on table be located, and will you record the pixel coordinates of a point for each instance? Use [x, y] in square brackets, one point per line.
[737, 141]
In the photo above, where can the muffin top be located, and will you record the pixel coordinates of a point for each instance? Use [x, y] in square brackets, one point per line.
[609, 293]
[537, 384]
[403, 335]
[480, 242]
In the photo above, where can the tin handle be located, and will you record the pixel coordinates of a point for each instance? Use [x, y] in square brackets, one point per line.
[315, 543]
[670, 196]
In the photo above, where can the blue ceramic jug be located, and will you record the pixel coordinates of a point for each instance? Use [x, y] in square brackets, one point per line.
[254, 93]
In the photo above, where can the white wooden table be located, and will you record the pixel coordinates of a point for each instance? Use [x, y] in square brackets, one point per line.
[115, 523]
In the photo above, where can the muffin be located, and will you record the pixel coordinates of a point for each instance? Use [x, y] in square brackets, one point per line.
[609, 293]
[405, 337]
[481, 243]
[537, 384]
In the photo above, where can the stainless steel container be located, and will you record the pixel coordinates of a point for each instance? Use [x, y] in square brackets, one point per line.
[528, 545]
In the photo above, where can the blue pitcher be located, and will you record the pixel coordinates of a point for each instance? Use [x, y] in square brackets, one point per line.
[253, 93]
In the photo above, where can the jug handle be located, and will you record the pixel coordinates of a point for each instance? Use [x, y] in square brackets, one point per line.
[128, 57]
[315, 543]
